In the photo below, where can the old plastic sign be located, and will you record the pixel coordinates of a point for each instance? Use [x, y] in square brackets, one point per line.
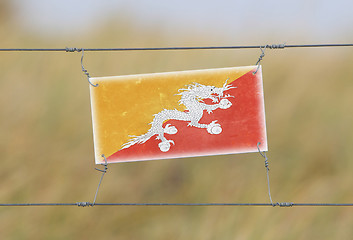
[178, 114]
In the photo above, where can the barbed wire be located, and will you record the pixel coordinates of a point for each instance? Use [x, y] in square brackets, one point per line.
[89, 204]
[268, 46]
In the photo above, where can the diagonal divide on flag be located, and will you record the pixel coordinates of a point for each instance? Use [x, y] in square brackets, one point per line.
[178, 114]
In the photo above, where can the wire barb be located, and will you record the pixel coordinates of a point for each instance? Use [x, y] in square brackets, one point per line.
[105, 164]
[263, 154]
[276, 46]
[67, 49]
[84, 204]
[284, 204]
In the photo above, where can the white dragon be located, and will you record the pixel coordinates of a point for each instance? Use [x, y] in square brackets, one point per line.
[192, 97]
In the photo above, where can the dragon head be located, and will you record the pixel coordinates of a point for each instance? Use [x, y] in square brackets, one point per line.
[202, 92]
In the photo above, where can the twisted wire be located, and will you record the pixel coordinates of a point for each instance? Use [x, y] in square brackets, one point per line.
[103, 172]
[82, 67]
[263, 154]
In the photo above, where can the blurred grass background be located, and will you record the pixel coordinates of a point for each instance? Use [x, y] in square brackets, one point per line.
[47, 146]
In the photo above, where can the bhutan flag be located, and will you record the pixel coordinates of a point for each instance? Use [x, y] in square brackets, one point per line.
[178, 114]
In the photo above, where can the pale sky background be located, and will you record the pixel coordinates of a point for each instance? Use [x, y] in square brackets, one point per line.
[314, 21]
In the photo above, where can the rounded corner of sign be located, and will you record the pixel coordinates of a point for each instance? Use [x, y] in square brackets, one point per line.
[264, 148]
[96, 161]
[99, 160]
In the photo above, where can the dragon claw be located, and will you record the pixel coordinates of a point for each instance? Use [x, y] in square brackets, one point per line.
[169, 129]
[214, 128]
[224, 104]
[165, 146]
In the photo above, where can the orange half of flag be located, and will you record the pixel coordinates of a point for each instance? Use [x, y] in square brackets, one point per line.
[178, 114]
